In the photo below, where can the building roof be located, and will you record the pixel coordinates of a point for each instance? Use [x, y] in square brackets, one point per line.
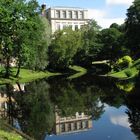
[66, 7]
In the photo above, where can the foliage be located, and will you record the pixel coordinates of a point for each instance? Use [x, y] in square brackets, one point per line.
[127, 72]
[133, 28]
[90, 49]
[37, 49]
[123, 62]
[64, 46]
[37, 105]
[125, 85]
[23, 35]
[112, 44]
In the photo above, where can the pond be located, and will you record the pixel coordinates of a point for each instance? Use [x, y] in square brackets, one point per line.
[85, 108]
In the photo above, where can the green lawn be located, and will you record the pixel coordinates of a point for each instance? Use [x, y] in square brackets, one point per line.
[127, 73]
[27, 76]
[8, 134]
[80, 71]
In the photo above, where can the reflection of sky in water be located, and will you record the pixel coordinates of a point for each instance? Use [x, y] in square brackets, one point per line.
[113, 125]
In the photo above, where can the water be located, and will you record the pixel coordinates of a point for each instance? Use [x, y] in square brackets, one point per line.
[85, 108]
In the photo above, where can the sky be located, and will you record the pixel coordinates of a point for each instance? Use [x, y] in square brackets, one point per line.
[105, 12]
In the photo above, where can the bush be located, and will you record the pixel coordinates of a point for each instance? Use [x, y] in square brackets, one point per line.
[128, 73]
[124, 62]
[127, 59]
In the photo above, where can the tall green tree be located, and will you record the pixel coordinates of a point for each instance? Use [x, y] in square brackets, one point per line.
[23, 34]
[36, 53]
[64, 46]
[8, 16]
[133, 28]
[90, 49]
[111, 38]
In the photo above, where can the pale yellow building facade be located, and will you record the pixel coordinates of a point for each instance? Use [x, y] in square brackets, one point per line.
[61, 17]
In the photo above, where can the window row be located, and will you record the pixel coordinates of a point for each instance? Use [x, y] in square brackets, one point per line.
[70, 14]
[73, 27]
[74, 126]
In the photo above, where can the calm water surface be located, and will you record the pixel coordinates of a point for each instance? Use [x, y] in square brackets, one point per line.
[86, 108]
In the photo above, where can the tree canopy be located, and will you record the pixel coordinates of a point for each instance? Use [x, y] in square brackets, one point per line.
[23, 33]
[133, 28]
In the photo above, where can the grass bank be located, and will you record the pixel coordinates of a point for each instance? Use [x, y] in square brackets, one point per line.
[27, 76]
[127, 73]
[8, 134]
[80, 71]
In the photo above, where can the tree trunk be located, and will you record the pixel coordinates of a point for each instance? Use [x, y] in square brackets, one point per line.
[18, 70]
[7, 68]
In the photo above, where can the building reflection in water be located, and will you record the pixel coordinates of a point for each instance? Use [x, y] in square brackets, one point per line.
[4, 99]
[3, 105]
[72, 124]
[19, 87]
[8, 103]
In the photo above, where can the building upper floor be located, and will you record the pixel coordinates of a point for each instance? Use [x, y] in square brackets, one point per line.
[67, 13]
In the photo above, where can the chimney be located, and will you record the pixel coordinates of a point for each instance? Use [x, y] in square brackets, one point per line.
[43, 10]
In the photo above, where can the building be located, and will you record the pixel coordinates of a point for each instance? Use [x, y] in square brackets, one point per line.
[3, 105]
[72, 124]
[4, 100]
[61, 17]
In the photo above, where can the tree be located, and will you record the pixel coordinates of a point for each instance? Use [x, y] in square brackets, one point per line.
[91, 47]
[111, 40]
[64, 46]
[8, 16]
[36, 115]
[22, 34]
[36, 53]
[133, 28]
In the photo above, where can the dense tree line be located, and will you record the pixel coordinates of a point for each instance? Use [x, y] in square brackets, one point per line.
[25, 35]
[95, 43]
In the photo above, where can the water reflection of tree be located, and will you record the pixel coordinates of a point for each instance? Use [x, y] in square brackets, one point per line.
[71, 98]
[7, 92]
[133, 112]
[36, 110]
[126, 86]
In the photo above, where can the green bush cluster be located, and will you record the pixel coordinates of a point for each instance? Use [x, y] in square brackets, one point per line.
[128, 73]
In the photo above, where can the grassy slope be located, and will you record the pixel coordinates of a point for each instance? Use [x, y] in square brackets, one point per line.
[122, 74]
[80, 71]
[26, 76]
[7, 134]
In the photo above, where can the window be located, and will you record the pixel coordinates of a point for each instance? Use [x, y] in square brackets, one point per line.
[69, 126]
[76, 27]
[86, 124]
[64, 14]
[81, 15]
[64, 25]
[62, 127]
[75, 126]
[57, 14]
[75, 15]
[70, 26]
[69, 14]
[80, 125]
[57, 26]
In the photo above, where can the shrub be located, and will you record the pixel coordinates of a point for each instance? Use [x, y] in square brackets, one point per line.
[128, 73]
[124, 62]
